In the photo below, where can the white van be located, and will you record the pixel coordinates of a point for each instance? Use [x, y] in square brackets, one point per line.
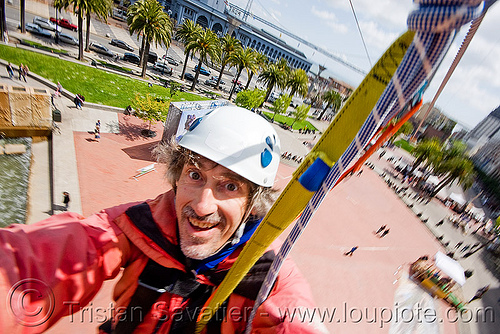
[45, 24]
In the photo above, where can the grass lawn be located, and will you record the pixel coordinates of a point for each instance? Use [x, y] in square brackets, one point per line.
[405, 145]
[97, 86]
[289, 120]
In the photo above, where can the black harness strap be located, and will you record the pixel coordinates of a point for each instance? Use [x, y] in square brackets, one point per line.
[156, 280]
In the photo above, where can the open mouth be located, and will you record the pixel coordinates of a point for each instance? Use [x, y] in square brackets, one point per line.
[202, 225]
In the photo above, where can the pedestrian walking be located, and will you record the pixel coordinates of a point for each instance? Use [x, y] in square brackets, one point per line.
[349, 253]
[440, 222]
[20, 70]
[26, 70]
[459, 244]
[360, 172]
[97, 133]
[58, 89]
[380, 229]
[10, 70]
[479, 293]
[384, 233]
[66, 200]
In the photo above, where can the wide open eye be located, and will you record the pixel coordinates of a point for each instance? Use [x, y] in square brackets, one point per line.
[231, 186]
[194, 175]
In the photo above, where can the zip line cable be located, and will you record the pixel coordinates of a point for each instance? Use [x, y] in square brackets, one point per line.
[360, 33]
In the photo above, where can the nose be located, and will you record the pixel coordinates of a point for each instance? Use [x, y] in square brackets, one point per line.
[205, 202]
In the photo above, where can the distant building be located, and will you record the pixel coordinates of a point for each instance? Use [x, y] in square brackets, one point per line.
[488, 130]
[435, 125]
[215, 15]
[487, 158]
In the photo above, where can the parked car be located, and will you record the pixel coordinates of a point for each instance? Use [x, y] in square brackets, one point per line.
[152, 57]
[133, 58]
[273, 97]
[189, 76]
[203, 70]
[65, 38]
[96, 47]
[215, 77]
[171, 60]
[163, 68]
[65, 24]
[36, 29]
[121, 44]
[212, 82]
[45, 23]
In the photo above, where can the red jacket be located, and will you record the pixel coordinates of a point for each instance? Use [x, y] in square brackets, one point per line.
[66, 258]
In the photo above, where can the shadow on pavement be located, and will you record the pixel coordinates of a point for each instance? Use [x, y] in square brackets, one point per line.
[141, 152]
[131, 131]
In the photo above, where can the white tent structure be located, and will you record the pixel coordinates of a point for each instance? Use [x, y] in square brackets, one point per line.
[450, 267]
[458, 198]
[433, 180]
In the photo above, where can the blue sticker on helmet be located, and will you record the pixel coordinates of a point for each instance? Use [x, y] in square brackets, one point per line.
[269, 142]
[195, 123]
[265, 158]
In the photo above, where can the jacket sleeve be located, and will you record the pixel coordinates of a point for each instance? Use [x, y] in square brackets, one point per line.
[290, 307]
[59, 264]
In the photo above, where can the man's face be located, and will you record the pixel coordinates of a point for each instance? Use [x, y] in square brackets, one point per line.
[210, 203]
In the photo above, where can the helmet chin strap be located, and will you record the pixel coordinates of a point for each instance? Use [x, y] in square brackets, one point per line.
[235, 238]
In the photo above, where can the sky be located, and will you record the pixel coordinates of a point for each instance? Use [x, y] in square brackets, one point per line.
[472, 92]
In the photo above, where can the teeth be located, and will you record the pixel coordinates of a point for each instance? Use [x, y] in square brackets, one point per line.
[201, 224]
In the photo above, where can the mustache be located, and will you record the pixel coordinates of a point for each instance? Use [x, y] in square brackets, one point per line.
[189, 212]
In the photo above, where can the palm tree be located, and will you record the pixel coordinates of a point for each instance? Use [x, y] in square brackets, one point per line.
[260, 64]
[207, 45]
[333, 99]
[102, 8]
[272, 76]
[458, 168]
[298, 82]
[22, 15]
[147, 17]
[79, 8]
[242, 59]
[229, 45]
[188, 30]
[427, 150]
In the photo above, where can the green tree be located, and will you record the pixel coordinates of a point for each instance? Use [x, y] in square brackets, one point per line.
[333, 99]
[147, 18]
[459, 168]
[298, 82]
[272, 76]
[242, 59]
[102, 9]
[427, 150]
[206, 44]
[260, 63]
[150, 110]
[300, 113]
[79, 8]
[229, 45]
[250, 99]
[187, 31]
[406, 128]
[281, 105]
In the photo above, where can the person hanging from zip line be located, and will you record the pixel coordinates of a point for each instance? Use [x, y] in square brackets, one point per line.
[172, 251]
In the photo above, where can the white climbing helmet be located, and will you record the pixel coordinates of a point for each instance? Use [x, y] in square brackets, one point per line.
[239, 140]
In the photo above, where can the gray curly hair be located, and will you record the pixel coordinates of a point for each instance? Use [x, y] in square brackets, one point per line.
[175, 157]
